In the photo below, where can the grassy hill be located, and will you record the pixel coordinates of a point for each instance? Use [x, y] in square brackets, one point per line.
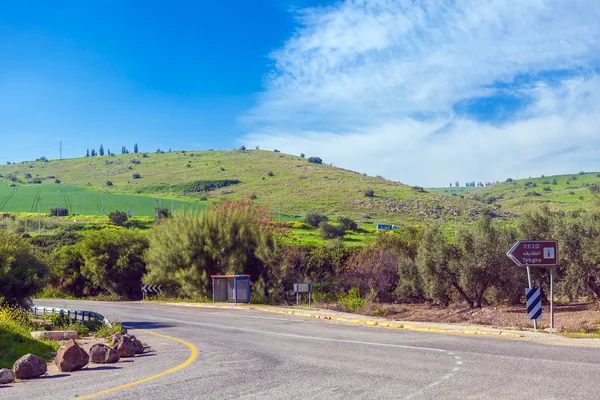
[289, 185]
[569, 192]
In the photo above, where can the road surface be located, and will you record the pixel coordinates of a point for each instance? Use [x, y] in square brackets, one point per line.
[248, 354]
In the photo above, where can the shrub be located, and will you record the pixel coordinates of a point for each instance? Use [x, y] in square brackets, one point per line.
[315, 219]
[369, 193]
[134, 161]
[22, 270]
[57, 181]
[113, 261]
[242, 148]
[315, 160]
[581, 172]
[329, 231]
[374, 270]
[352, 301]
[554, 181]
[109, 183]
[58, 211]
[136, 175]
[118, 217]
[269, 173]
[347, 223]
[302, 155]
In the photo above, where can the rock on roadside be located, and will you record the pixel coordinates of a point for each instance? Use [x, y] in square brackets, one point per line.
[29, 366]
[116, 338]
[125, 347]
[139, 347]
[102, 354]
[6, 376]
[71, 357]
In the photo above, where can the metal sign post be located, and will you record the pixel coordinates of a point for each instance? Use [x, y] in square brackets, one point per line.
[303, 288]
[537, 253]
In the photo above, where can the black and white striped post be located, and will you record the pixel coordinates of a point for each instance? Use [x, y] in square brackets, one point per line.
[148, 290]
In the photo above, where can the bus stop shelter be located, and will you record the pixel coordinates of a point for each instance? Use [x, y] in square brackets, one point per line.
[231, 288]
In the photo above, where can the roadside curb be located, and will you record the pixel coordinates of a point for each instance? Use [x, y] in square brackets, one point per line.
[367, 322]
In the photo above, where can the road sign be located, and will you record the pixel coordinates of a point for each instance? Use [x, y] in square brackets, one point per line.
[148, 290]
[534, 253]
[534, 303]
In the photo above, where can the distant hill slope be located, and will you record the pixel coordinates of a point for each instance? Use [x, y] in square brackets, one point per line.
[571, 192]
[287, 184]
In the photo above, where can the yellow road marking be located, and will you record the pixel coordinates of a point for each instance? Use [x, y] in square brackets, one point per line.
[187, 362]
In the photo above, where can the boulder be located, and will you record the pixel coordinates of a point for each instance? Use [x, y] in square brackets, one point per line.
[139, 347]
[6, 376]
[29, 366]
[116, 338]
[102, 354]
[125, 347]
[71, 357]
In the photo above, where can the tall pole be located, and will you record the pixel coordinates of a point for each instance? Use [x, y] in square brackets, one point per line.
[529, 280]
[552, 297]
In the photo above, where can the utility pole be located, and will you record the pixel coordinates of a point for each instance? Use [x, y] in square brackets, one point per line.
[39, 217]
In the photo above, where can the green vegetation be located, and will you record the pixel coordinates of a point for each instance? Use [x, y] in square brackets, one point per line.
[289, 185]
[15, 339]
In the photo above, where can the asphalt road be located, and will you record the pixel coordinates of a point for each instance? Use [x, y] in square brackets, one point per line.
[247, 354]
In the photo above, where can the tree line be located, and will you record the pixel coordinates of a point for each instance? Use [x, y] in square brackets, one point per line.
[438, 264]
[100, 152]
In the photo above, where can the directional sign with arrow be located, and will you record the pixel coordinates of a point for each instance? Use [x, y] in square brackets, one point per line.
[534, 253]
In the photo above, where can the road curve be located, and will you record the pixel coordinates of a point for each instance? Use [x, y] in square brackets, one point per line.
[247, 354]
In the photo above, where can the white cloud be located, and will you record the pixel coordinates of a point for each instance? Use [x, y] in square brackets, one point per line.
[348, 85]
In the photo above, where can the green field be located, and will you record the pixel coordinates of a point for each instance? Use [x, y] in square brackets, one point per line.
[81, 201]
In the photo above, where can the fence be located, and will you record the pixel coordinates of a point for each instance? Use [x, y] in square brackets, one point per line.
[77, 315]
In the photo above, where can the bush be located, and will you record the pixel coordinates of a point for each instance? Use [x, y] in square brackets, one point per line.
[347, 223]
[118, 217]
[60, 212]
[315, 219]
[109, 183]
[369, 193]
[136, 175]
[301, 155]
[329, 231]
[315, 160]
[269, 173]
[352, 301]
[22, 270]
[113, 262]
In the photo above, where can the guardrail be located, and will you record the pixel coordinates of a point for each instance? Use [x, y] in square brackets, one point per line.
[77, 315]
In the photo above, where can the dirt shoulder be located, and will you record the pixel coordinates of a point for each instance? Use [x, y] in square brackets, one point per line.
[567, 317]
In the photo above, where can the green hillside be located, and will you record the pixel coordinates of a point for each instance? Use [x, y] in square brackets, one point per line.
[289, 185]
[570, 192]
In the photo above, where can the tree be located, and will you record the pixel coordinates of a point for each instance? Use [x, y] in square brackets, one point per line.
[482, 261]
[301, 155]
[373, 270]
[135, 148]
[236, 237]
[329, 231]
[315, 160]
[101, 150]
[117, 217]
[58, 211]
[347, 223]
[457, 184]
[113, 262]
[87, 153]
[315, 219]
[93, 153]
[22, 270]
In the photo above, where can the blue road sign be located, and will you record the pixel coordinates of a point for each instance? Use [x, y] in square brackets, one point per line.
[534, 303]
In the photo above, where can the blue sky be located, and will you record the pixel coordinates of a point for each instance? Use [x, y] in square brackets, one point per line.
[423, 92]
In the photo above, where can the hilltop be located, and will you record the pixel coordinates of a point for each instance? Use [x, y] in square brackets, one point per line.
[289, 185]
[570, 192]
